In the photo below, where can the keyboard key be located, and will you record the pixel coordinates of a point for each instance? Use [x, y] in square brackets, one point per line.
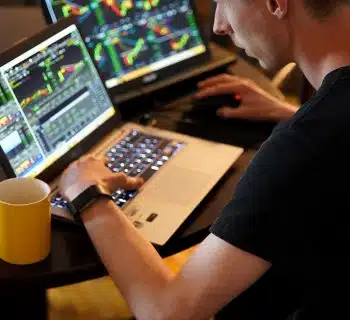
[147, 174]
[152, 217]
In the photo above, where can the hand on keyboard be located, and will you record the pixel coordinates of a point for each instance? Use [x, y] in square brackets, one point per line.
[89, 171]
[136, 155]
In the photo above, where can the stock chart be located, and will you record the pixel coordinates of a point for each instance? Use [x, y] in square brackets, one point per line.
[54, 95]
[126, 35]
[16, 139]
[38, 78]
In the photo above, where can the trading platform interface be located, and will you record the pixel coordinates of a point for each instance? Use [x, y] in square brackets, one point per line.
[133, 38]
[51, 97]
[15, 138]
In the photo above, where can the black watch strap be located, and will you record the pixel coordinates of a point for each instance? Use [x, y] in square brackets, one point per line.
[86, 199]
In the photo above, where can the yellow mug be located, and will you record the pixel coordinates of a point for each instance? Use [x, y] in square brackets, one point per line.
[25, 220]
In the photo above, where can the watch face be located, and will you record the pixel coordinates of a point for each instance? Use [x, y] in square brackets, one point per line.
[88, 197]
[88, 203]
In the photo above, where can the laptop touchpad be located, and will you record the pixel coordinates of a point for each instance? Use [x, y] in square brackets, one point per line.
[179, 185]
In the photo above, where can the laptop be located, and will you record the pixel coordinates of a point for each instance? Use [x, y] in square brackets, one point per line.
[54, 108]
[142, 46]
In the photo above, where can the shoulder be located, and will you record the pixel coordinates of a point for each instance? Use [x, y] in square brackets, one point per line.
[330, 106]
[288, 166]
[256, 211]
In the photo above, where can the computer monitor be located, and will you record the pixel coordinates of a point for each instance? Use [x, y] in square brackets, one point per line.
[136, 42]
[51, 99]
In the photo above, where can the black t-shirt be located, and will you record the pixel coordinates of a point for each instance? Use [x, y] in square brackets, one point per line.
[291, 208]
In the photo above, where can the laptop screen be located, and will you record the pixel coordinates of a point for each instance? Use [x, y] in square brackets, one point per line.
[134, 38]
[51, 98]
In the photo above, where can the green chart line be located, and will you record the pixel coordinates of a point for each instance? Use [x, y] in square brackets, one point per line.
[149, 4]
[98, 52]
[49, 88]
[98, 13]
[48, 75]
[2, 97]
[110, 48]
[135, 52]
[193, 25]
[9, 95]
[182, 42]
[60, 77]
[66, 11]
[15, 85]
[114, 58]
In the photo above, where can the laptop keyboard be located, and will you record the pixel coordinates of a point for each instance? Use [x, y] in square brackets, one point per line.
[137, 155]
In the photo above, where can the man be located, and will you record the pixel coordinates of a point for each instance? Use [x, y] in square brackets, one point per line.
[280, 246]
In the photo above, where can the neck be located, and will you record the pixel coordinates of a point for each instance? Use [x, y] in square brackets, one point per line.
[315, 70]
[323, 47]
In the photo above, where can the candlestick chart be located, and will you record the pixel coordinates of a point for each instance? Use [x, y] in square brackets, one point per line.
[126, 35]
[45, 74]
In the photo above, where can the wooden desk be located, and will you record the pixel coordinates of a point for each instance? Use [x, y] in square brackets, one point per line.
[73, 258]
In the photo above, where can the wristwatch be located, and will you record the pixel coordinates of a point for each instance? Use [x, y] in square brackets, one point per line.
[85, 199]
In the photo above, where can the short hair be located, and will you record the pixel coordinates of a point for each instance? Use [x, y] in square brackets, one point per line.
[323, 8]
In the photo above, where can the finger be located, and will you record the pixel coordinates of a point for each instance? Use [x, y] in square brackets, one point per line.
[238, 113]
[222, 78]
[121, 181]
[97, 158]
[226, 88]
[242, 80]
[85, 158]
[101, 158]
[242, 113]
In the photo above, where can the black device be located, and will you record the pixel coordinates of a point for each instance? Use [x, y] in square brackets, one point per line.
[87, 198]
[206, 108]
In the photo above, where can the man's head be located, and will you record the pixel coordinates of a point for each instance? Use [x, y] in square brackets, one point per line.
[266, 28]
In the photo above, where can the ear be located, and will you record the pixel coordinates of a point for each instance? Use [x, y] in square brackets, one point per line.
[278, 8]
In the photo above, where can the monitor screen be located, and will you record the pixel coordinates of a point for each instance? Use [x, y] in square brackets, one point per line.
[133, 38]
[51, 98]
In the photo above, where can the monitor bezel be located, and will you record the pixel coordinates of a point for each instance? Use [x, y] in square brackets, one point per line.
[159, 75]
[88, 142]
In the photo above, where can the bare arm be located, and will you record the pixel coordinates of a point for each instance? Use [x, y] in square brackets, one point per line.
[216, 273]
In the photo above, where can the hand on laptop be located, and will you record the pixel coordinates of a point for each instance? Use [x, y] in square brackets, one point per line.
[89, 171]
[256, 104]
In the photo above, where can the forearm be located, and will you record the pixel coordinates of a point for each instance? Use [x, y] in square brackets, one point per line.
[133, 263]
[284, 111]
[217, 272]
